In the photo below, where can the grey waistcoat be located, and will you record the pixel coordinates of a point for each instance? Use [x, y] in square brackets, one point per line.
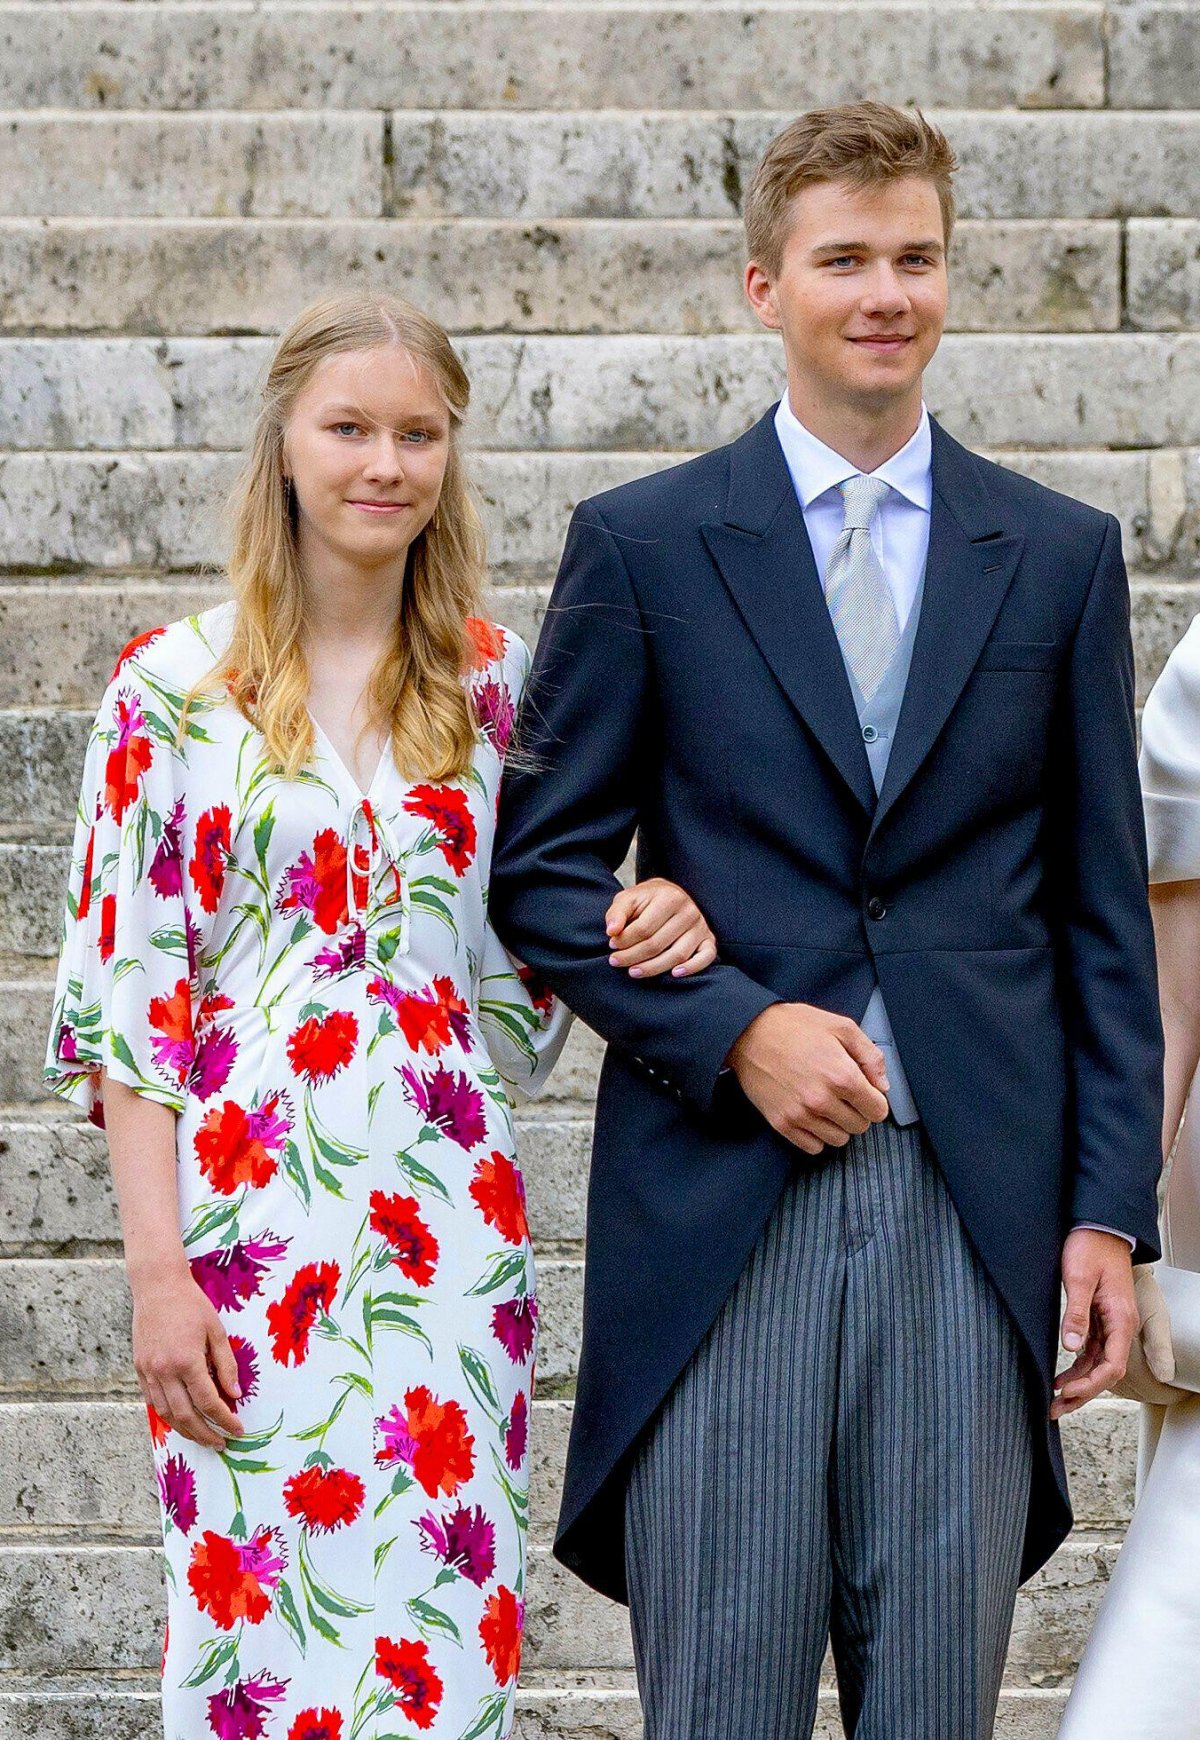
[878, 717]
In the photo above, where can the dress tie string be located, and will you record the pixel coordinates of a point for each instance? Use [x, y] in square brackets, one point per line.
[374, 867]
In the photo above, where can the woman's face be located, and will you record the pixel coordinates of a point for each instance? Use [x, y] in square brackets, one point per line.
[366, 448]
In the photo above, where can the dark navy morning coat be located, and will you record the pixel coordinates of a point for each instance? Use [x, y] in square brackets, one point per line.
[688, 685]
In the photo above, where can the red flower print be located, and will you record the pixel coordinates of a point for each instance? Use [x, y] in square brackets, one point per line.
[447, 808]
[234, 1580]
[128, 759]
[516, 1438]
[316, 883]
[397, 1221]
[428, 1018]
[407, 1666]
[499, 1190]
[132, 648]
[236, 1147]
[316, 1725]
[500, 1632]
[322, 1045]
[85, 890]
[173, 1044]
[431, 1437]
[447, 1101]
[108, 926]
[240, 1712]
[324, 1498]
[208, 865]
[539, 992]
[487, 641]
[310, 1293]
[158, 1426]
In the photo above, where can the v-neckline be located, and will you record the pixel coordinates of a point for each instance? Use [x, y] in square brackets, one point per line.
[337, 761]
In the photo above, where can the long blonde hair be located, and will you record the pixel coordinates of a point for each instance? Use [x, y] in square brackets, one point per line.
[417, 684]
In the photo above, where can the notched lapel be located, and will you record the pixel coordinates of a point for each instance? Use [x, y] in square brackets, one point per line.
[969, 569]
[765, 559]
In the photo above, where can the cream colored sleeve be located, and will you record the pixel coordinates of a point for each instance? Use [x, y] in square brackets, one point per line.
[1170, 764]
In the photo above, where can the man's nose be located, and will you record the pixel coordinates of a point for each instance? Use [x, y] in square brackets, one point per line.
[884, 293]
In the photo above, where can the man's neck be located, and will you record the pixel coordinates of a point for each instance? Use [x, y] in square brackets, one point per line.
[866, 436]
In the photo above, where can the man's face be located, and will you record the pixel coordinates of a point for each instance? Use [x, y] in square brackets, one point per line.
[861, 294]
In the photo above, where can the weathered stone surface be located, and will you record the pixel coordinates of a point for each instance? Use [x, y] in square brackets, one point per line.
[1055, 1612]
[1100, 1446]
[1163, 274]
[65, 1324]
[635, 392]
[1154, 56]
[199, 277]
[59, 642]
[56, 1195]
[1099, 164]
[1161, 616]
[474, 57]
[154, 166]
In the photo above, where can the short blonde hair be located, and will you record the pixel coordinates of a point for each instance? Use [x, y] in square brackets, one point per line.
[860, 143]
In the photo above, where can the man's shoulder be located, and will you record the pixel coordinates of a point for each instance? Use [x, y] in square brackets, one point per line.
[676, 497]
[1028, 506]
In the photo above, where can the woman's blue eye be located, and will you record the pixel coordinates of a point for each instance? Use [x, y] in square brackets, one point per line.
[338, 427]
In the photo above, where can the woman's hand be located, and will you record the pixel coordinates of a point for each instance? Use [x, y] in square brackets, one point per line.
[182, 1354]
[654, 927]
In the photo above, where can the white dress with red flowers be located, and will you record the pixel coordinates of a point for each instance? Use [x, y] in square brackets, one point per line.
[306, 976]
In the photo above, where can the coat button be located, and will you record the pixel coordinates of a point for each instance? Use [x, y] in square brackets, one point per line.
[876, 908]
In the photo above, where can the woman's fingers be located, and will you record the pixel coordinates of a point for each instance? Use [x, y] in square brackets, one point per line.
[223, 1363]
[705, 955]
[183, 1417]
[669, 928]
[207, 1400]
[675, 957]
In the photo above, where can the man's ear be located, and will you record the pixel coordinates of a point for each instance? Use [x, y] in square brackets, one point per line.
[760, 293]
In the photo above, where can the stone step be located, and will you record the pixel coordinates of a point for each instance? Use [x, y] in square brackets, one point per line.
[59, 642]
[635, 392]
[210, 164]
[112, 1711]
[478, 56]
[626, 392]
[93, 1608]
[59, 274]
[1163, 267]
[56, 1196]
[65, 1325]
[85, 1465]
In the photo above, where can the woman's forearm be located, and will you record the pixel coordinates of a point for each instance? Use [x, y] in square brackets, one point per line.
[1176, 910]
[141, 1146]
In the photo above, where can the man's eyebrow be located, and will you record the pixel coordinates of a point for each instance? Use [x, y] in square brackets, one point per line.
[930, 245]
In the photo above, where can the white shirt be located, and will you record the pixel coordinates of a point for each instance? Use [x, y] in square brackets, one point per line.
[900, 534]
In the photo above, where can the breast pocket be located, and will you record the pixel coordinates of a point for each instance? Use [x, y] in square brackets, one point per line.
[1018, 655]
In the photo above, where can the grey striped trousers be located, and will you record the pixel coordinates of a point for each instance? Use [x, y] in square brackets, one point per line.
[846, 1458]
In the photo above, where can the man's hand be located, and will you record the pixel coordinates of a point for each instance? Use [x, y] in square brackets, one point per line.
[1100, 1320]
[815, 1077]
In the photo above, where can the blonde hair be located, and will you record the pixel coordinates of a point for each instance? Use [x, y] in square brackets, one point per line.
[417, 685]
[864, 144]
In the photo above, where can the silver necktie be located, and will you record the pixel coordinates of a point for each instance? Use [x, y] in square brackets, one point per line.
[856, 589]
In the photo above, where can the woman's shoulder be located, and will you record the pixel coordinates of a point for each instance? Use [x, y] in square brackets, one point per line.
[179, 653]
[498, 653]
[1172, 710]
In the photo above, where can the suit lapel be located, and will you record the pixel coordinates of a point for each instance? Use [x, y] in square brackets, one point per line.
[969, 569]
[766, 561]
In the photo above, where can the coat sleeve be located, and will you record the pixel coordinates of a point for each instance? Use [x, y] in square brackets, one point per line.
[1170, 765]
[1108, 977]
[589, 754]
[123, 998]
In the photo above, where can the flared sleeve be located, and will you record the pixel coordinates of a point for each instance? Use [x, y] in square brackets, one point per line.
[123, 998]
[523, 1024]
[1169, 764]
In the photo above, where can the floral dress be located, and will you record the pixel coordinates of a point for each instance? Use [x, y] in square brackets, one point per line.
[305, 974]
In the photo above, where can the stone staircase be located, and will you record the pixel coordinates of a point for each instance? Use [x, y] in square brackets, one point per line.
[560, 183]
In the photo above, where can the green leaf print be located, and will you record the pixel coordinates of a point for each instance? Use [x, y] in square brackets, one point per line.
[217, 1652]
[264, 828]
[424, 900]
[211, 1218]
[288, 1614]
[420, 1177]
[503, 1267]
[317, 1590]
[490, 1720]
[386, 1311]
[431, 1622]
[479, 1376]
[296, 1176]
[387, 944]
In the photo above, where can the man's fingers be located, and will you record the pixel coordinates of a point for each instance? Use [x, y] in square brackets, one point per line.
[858, 1093]
[1081, 1290]
[866, 1055]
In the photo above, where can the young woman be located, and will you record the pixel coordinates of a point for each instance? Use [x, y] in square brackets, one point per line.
[280, 994]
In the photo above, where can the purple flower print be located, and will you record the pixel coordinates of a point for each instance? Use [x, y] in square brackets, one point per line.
[465, 1541]
[231, 1276]
[241, 1712]
[192, 932]
[67, 1048]
[214, 1060]
[516, 1438]
[398, 1443]
[446, 1099]
[177, 1484]
[495, 712]
[342, 957]
[513, 1325]
[166, 868]
[247, 1366]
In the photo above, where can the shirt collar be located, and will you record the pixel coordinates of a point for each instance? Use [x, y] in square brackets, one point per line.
[816, 468]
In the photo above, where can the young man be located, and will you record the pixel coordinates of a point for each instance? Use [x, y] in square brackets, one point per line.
[870, 699]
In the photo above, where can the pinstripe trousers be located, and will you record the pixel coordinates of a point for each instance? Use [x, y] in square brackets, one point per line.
[846, 1459]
